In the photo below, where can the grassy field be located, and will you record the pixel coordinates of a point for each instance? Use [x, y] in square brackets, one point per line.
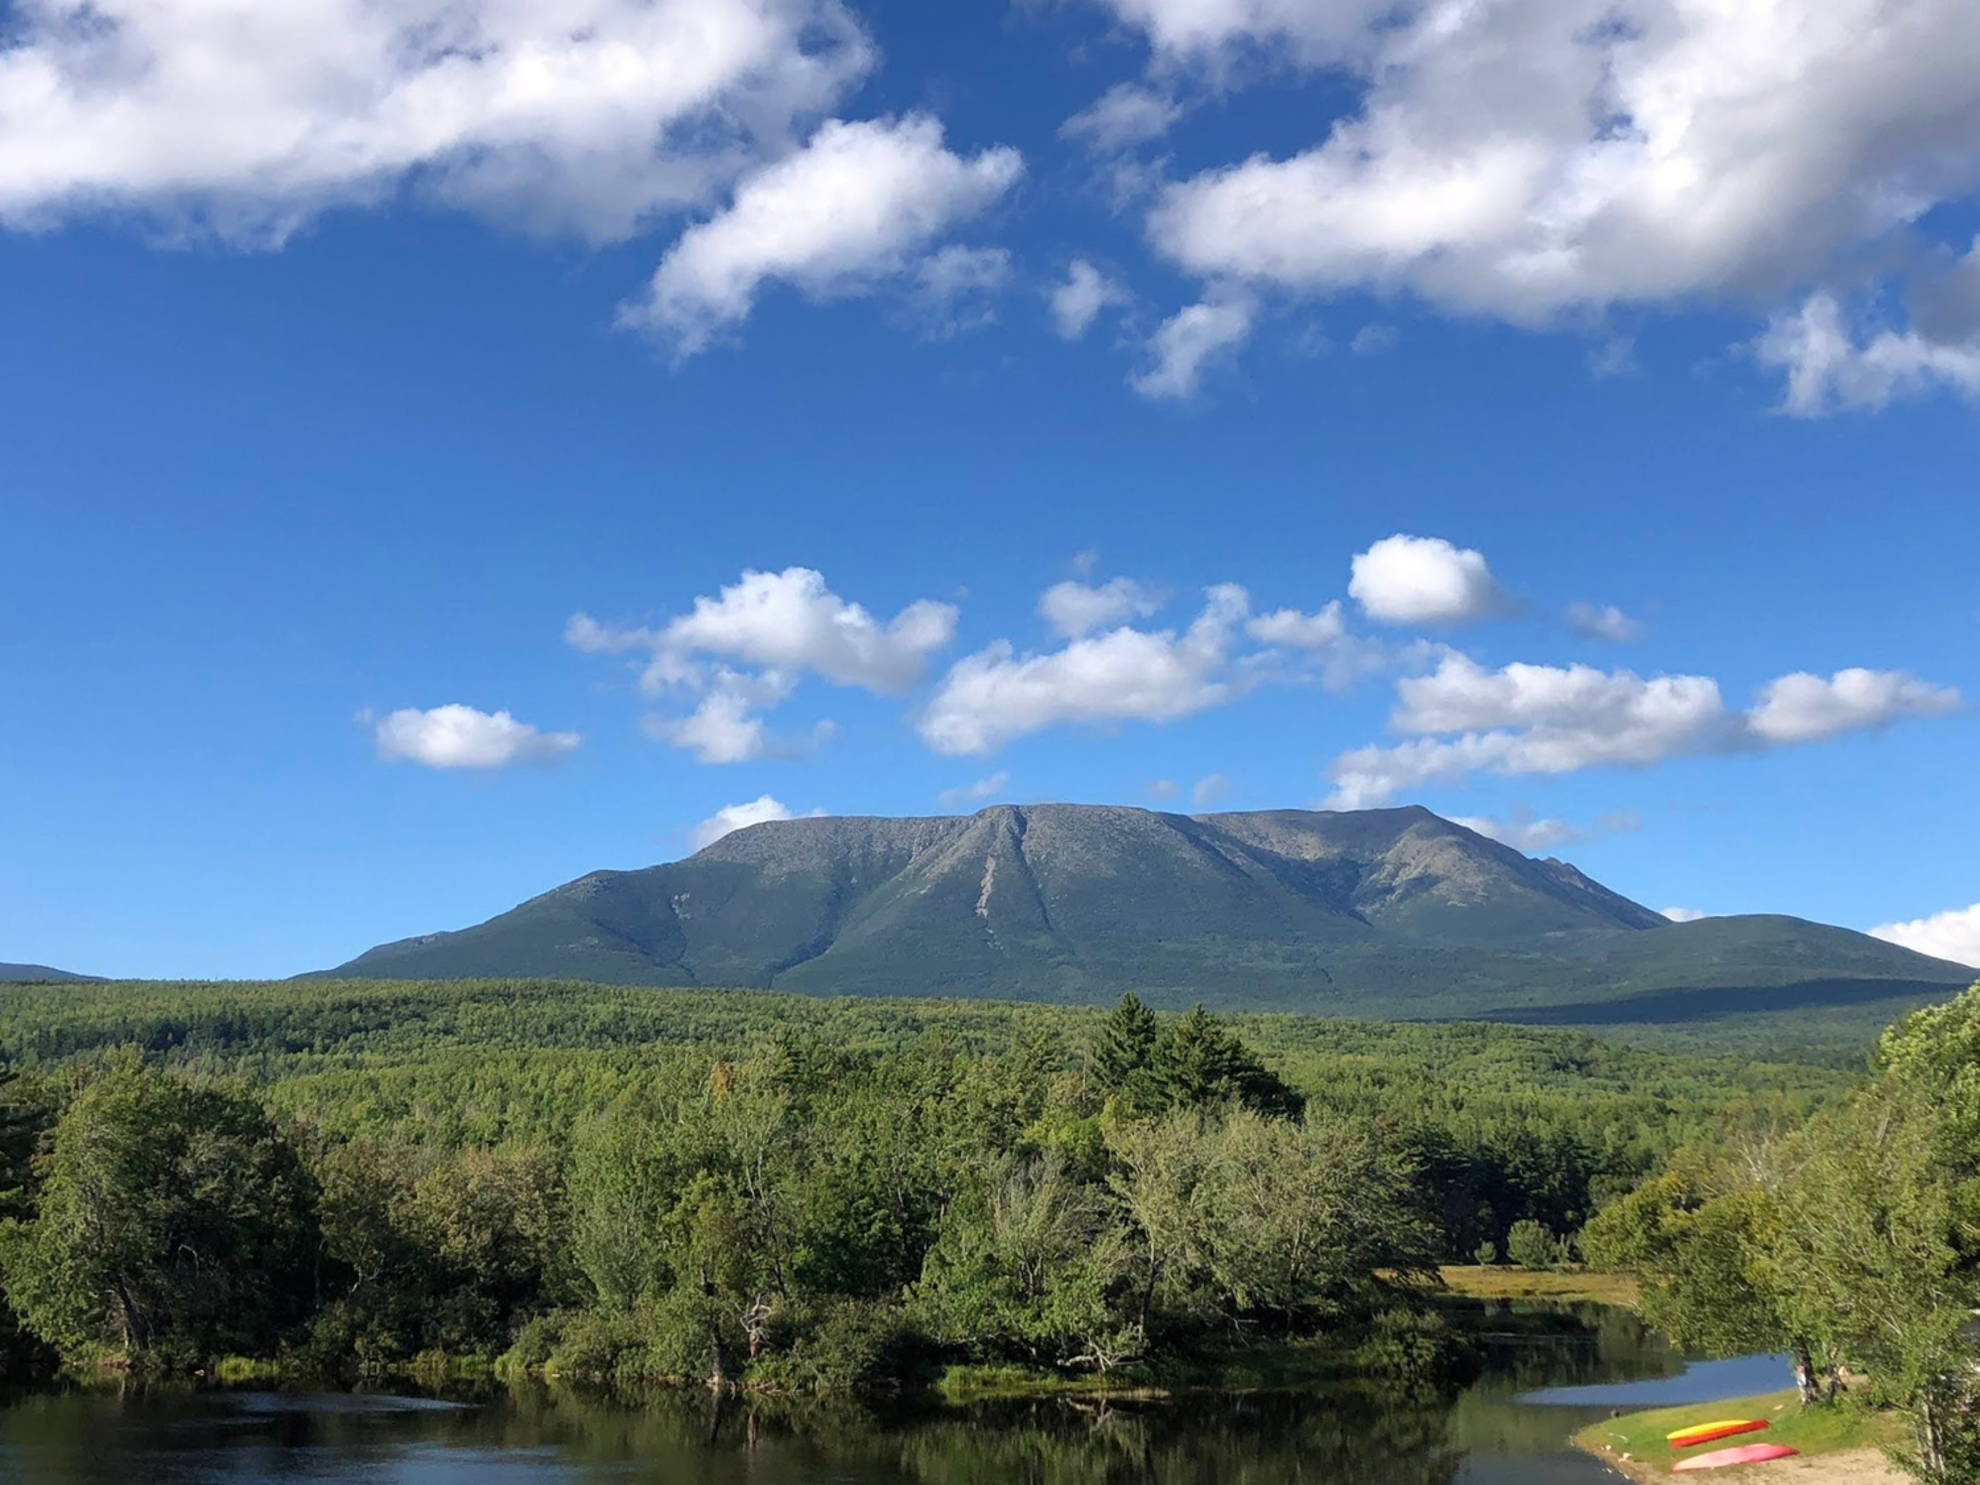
[1635, 1442]
[1516, 1283]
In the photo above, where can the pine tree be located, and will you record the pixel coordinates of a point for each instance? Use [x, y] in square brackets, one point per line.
[1123, 1056]
[1200, 1062]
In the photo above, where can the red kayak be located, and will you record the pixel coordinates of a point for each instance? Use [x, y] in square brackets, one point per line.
[1718, 1459]
[1704, 1433]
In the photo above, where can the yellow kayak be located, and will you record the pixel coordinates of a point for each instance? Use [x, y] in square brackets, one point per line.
[1704, 1433]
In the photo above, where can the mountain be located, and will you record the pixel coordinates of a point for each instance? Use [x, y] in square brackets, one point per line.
[27, 973]
[1397, 914]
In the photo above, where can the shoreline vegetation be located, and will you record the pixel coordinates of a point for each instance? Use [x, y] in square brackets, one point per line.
[1842, 1444]
[762, 1193]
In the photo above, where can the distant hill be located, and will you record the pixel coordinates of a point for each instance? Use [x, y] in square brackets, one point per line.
[1396, 914]
[20, 973]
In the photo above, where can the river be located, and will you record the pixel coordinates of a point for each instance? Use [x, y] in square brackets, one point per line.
[1509, 1428]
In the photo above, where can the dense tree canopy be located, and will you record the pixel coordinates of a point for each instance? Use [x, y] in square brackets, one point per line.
[633, 1183]
[1851, 1241]
[170, 1217]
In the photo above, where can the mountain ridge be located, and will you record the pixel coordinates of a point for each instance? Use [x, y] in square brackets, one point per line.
[28, 974]
[1396, 913]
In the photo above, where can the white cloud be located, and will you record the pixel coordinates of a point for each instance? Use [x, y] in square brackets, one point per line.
[1074, 609]
[586, 116]
[1539, 719]
[784, 624]
[1952, 935]
[1806, 708]
[982, 789]
[733, 817]
[1527, 831]
[1603, 622]
[1208, 790]
[1190, 341]
[1077, 302]
[1541, 160]
[461, 737]
[792, 620]
[1324, 643]
[861, 202]
[1211, 30]
[1425, 580]
[1828, 370]
[1684, 914]
[989, 698]
[1125, 115]
[1163, 789]
[725, 725]
[1290, 627]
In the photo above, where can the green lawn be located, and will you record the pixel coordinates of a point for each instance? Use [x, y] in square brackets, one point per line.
[1824, 1430]
[1474, 1282]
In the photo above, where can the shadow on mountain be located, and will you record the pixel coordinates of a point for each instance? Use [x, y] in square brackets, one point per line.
[1720, 1002]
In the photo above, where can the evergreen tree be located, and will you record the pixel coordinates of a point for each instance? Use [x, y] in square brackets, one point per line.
[1199, 1062]
[1122, 1063]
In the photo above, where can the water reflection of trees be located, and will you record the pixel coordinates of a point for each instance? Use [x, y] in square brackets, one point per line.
[1350, 1435]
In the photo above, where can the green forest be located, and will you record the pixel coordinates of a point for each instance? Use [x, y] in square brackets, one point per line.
[752, 1190]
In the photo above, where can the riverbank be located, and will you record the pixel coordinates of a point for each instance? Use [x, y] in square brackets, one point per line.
[1841, 1445]
[1572, 1287]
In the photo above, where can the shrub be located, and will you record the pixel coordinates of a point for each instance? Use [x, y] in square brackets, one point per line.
[1532, 1244]
[1417, 1347]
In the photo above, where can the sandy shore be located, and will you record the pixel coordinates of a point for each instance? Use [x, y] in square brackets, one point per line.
[1851, 1467]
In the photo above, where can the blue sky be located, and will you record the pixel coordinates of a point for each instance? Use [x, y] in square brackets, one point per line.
[334, 384]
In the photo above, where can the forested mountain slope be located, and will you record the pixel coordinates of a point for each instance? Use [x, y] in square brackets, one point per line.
[1390, 913]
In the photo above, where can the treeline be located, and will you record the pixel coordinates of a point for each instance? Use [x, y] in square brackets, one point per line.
[806, 1217]
[807, 1192]
[1506, 1124]
[1851, 1242]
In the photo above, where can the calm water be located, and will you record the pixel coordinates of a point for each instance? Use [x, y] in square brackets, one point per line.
[1490, 1435]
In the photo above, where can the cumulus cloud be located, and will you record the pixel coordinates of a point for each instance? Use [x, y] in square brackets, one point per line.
[585, 116]
[1326, 648]
[782, 625]
[1301, 631]
[1806, 708]
[974, 793]
[1189, 342]
[1603, 622]
[1952, 935]
[1684, 914]
[1074, 609]
[1542, 160]
[460, 737]
[726, 725]
[1425, 580]
[860, 203]
[1077, 302]
[1163, 789]
[733, 817]
[1828, 369]
[990, 698]
[1537, 719]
